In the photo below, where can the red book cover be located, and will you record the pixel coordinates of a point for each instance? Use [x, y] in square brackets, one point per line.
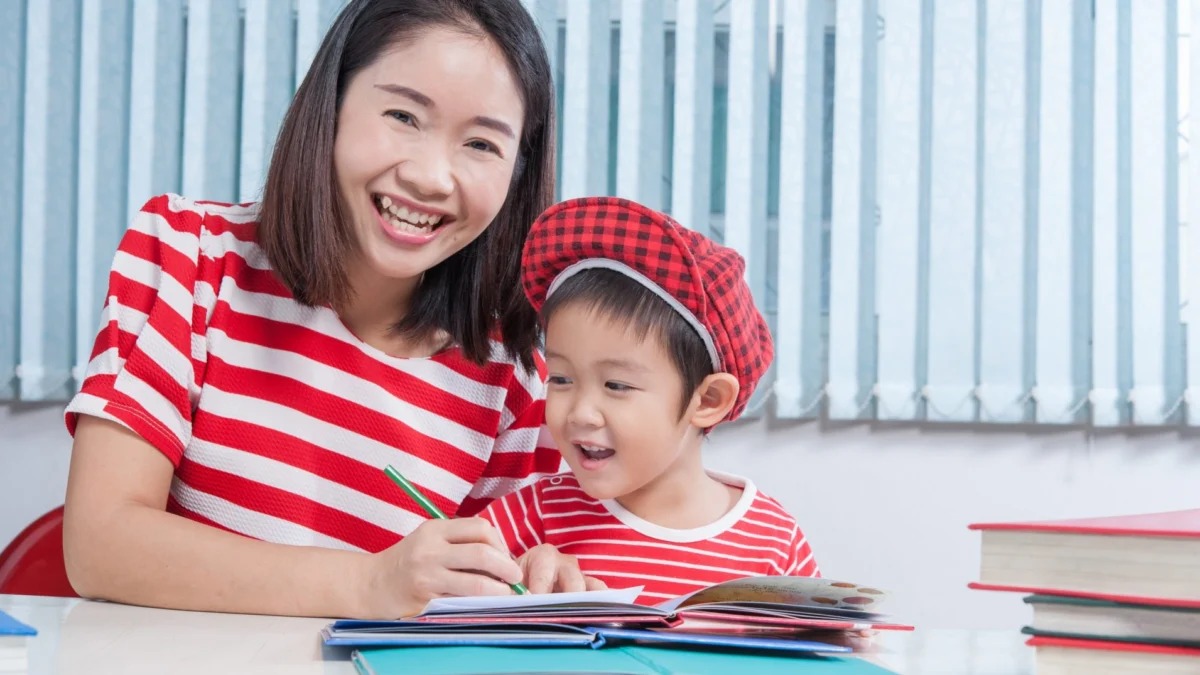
[1111, 646]
[1133, 599]
[1184, 524]
[1181, 524]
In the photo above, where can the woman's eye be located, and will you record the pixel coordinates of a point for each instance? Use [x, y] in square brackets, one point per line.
[401, 117]
[483, 146]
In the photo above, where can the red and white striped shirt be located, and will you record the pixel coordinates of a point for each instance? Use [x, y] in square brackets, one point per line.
[279, 421]
[755, 538]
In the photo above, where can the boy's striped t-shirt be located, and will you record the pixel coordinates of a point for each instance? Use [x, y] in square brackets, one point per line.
[756, 537]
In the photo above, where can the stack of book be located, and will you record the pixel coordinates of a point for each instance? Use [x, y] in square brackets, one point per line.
[1109, 595]
[817, 618]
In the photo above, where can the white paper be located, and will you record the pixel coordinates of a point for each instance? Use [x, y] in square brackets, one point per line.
[625, 596]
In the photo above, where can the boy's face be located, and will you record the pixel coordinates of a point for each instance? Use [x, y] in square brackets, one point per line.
[613, 403]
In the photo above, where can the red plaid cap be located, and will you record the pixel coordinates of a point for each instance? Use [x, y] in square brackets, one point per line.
[702, 280]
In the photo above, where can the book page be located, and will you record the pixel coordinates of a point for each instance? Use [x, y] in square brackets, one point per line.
[799, 591]
[623, 596]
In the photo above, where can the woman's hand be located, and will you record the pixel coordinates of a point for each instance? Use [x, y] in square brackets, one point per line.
[462, 556]
[546, 570]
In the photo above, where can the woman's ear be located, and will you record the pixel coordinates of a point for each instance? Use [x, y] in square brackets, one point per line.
[713, 399]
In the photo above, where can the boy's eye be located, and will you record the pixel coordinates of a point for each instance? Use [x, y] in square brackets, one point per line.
[557, 379]
[401, 117]
[617, 386]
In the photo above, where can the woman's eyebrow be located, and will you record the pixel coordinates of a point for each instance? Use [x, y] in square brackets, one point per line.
[495, 125]
[423, 100]
[407, 92]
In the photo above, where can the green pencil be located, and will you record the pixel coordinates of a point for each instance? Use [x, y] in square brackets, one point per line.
[430, 508]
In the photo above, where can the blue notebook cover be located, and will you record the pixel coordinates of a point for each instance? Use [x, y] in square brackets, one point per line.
[423, 634]
[630, 660]
[10, 627]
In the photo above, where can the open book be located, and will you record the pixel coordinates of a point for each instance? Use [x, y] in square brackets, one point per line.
[774, 610]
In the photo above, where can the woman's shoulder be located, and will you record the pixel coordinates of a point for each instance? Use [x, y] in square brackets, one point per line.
[202, 218]
[202, 229]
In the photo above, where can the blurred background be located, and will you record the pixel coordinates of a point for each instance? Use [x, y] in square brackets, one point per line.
[967, 222]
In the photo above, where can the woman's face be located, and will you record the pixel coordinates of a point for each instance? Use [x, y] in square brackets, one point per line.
[427, 138]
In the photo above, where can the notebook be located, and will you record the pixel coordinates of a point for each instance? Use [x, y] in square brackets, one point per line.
[425, 634]
[619, 661]
[777, 611]
[1089, 619]
[14, 644]
[1142, 559]
[1058, 656]
[767, 601]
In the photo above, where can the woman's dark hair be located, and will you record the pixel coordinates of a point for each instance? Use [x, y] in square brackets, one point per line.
[617, 297]
[304, 232]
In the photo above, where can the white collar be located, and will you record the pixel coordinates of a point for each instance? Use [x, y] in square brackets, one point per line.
[749, 492]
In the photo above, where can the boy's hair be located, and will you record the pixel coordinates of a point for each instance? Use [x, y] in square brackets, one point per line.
[616, 296]
[303, 228]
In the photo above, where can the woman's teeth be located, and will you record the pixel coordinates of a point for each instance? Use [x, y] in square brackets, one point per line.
[404, 220]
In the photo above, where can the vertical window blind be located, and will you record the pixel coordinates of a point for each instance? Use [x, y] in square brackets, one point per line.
[951, 211]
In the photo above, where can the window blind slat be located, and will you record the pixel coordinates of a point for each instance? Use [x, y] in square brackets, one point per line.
[954, 201]
[640, 103]
[155, 101]
[798, 377]
[313, 19]
[1056, 335]
[103, 146]
[48, 200]
[210, 117]
[851, 314]
[903, 180]
[746, 140]
[269, 53]
[692, 152]
[1110, 222]
[1151, 134]
[12, 102]
[585, 110]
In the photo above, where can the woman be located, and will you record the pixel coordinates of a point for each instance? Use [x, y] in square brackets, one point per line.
[258, 365]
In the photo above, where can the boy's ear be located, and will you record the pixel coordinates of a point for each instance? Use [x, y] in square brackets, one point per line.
[713, 399]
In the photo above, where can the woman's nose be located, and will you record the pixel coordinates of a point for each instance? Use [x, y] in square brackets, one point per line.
[428, 174]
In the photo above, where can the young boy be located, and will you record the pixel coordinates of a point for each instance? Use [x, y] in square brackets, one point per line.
[652, 339]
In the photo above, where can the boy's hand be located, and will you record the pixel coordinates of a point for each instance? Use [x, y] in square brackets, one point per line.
[547, 570]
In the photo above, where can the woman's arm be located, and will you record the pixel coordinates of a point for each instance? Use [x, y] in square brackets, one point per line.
[122, 545]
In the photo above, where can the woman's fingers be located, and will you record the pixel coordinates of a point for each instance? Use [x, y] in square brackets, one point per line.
[468, 531]
[456, 583]
[482, 558]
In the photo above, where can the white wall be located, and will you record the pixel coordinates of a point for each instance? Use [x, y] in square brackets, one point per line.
[883, 505]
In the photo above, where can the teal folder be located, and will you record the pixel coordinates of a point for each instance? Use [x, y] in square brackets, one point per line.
[615, 661]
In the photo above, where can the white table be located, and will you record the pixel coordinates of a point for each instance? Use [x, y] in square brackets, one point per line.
[78, 637]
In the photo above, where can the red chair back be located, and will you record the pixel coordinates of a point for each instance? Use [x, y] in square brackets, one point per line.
[33, 563]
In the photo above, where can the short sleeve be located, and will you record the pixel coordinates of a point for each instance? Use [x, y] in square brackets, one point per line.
[518, 518]
[524, 450]
[143, 367]
[801, 562]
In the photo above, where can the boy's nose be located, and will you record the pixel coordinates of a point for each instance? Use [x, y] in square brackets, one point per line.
[584, 414]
